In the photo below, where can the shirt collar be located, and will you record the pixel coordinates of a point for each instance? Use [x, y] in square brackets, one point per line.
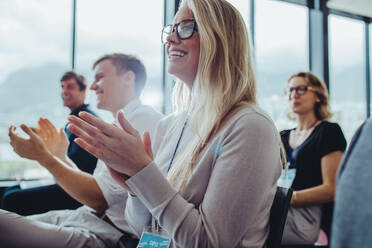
[131, 106]
[78, 109]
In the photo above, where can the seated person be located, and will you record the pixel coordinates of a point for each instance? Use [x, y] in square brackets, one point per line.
[119, 81]
[212, 180]
[14, 198]
[314, 150]
[352, 215]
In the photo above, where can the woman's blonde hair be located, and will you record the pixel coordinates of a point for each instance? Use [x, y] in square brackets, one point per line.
[225, 80]
[321, 108]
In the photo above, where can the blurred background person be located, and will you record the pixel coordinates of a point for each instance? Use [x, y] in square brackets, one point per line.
[52, 197]
[118, 82]
[314, 150]
[353, 213]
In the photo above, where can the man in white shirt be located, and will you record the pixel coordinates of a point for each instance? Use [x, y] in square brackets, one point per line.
[119, 80]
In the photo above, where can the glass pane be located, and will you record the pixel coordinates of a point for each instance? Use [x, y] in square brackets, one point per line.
[126, 26]
[281, 50]
[34, 51]
[370, 65]
[347, 71]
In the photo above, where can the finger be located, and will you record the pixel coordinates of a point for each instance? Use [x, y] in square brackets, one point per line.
[34, 129]
[62, 133]
[11, 131]
[28, 130]
[44, 131]
[90, 144]
[14, 138]
[99, 151]
[125, 124]
[147, 143]
[50, 126]
[83, 135]
[79, 127]
[97, 133]
[40, 132]
[105, 127]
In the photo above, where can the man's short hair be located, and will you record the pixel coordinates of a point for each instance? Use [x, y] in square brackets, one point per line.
[80, 79]
[125, 62]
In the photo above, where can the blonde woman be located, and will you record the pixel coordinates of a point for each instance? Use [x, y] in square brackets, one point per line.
[314, 150]
[212, 179]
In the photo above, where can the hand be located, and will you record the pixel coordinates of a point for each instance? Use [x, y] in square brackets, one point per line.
[123, 151]
[32, 148]
[121, 178]
[56, 142]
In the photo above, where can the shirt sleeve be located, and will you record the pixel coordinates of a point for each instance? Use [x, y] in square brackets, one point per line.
[137, 215]
[332, 140]
[238, 197]
[112, 192]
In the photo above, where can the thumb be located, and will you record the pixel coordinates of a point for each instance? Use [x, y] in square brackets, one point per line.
[147, 143]
[125, 124]
[62, 132]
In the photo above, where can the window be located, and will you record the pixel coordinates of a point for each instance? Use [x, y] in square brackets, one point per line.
[370, 66]
[347, 73]
[244, 6]
[281, 41]
[126, 26]
[34, 50]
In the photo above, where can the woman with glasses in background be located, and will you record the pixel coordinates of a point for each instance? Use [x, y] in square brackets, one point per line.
[314, 150]
[212, 179]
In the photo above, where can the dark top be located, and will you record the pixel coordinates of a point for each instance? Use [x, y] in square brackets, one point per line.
[306, 158]
[83, 159]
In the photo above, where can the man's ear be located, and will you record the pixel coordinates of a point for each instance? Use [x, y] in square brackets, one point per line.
[130, 76]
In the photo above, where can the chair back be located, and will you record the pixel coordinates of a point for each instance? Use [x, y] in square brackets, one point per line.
[327, 217]
[278, 216]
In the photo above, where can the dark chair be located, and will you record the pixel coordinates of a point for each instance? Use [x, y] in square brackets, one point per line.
[278, 216]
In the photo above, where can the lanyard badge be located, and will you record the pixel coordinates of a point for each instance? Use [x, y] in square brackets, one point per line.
[153, 237]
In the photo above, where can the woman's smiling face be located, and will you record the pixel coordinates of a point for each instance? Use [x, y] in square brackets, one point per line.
[183, 55]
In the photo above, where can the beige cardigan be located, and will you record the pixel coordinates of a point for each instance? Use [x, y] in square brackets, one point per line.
[227, 201]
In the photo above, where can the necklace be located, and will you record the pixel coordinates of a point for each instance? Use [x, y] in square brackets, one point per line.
[299, 137]
[300, 132]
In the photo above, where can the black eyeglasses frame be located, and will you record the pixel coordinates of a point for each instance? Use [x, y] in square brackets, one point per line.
[300, 90]
[175, 27]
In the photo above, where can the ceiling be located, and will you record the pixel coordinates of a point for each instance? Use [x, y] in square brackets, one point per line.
[359, 7]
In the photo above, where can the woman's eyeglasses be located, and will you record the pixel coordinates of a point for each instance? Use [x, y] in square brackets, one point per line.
[184, 30]
[300, 90]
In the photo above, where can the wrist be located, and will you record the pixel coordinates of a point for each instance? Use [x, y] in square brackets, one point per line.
[294, 198]
[46, 160]
[140, 167]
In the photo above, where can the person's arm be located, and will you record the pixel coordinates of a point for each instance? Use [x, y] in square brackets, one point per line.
[324, 192]
[238, 197]
[241, 188]
[80, 185]
[137, 215]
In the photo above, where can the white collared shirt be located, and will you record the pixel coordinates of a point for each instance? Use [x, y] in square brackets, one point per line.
[143, 118]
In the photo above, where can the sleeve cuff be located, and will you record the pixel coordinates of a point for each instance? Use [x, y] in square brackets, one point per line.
[151, 187]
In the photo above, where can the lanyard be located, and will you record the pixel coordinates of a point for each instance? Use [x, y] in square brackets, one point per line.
[155, 224]
[178, 143]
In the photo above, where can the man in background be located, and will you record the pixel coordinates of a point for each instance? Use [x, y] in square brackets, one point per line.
[119, 81]
[52, 197]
